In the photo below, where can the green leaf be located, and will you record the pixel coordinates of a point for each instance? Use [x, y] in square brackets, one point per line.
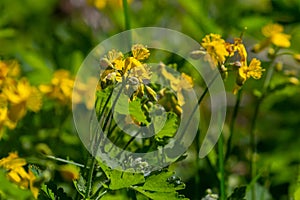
[49, 191]
[9, 190]
[135, 109]
[80, 185]
[238, 193]
[121, 105]
[120, 179]
[297, 194]
[113, 197]
[169, 128]
[163, 181]
[161, 195]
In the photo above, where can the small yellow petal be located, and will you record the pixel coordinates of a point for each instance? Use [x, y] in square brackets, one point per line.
[281, 40]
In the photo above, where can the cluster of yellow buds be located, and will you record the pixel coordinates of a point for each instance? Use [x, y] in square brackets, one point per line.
[16, 95]
[117, 68]
[136, 75]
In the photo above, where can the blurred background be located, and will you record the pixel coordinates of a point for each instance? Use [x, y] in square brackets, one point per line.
[48, 35]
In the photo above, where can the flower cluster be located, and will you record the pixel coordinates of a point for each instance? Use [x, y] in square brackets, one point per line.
[218, 52]
[129, 70]
[17, 173]
[136, 75]
[16, 95]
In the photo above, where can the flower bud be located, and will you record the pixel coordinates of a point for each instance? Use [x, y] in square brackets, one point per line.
[278, 66]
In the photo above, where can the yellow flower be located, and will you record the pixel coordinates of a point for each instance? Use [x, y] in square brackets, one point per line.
[216, 48]
[140, 52]
[12, 161]
[113, 59]
[254, 70]
[9, 68]
[22, 96]
[130, 63]
[17, 174]
[184, 82]
[85, 93]
[3, 71]
[275, 35]
[61, 87]
[240, 48]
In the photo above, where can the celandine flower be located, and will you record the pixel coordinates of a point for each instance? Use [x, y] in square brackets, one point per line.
[140, 52]
[22, 96]
[254, 70]
[275, 36]
[17, 174]
[215, 46]
[60, 88]
[115, 66]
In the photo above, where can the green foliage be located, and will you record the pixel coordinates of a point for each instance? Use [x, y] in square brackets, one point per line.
[9, 190]
[238, 194]
[50, 191]
[169, 129]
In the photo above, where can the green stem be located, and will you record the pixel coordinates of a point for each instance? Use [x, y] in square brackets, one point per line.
[232, 122]
[126, 15]
[197, 177]
[266, 86]
[198, 103]
[127, 21]
[221, 168]
[253, 147]
[90, 177]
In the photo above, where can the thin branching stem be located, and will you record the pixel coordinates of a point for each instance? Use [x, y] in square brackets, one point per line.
[232, 122]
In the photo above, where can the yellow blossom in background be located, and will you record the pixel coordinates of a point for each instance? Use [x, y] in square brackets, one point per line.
[22, 96]
[184, 82]
[101, 4]
[60, 88]
[274, 34]
[215, 46]
[17, 173]
[3, 111]
[10, 69]
[85, 93]
[3, 71]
